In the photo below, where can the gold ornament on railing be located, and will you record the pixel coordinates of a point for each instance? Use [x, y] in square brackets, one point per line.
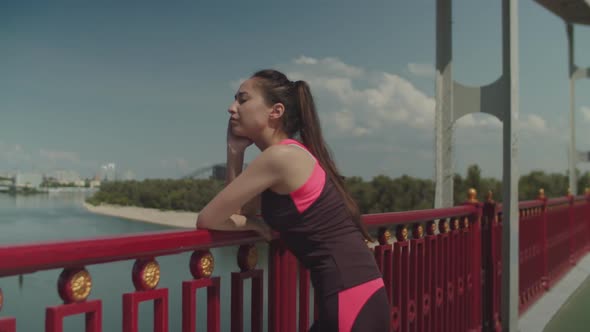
[465, 223]
[202, 264]
[418, 231]
[401, 233]
[146, 274]
[247, 257]
[541, 193]
[74, 285]
[587, 191]
[490, 198]
[431, 228]
[455, 224]
[384, 235]
[443, 226]
[472, 195]
[569, 191]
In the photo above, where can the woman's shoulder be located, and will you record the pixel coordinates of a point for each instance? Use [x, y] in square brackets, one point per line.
[280, 154]
[281, 157]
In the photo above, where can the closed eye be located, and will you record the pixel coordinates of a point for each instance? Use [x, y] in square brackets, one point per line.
[241, 96]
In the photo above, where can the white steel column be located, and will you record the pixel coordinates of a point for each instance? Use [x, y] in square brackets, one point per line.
[443, 196]
[575, 73]
[573, 155]
[510, 244]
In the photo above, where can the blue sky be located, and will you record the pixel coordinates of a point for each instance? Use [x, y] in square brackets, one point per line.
[146, 85]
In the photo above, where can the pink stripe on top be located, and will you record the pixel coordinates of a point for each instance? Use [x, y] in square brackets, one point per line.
[351, 301]
[304, 196]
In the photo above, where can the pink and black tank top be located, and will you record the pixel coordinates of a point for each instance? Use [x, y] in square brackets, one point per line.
[316, 226]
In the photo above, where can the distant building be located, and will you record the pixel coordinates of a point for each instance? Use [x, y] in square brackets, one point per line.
[6, 174]
[219, 172]
[66, 177]
[6, 182]
[28, 180]
[128, 176]
[107, 172]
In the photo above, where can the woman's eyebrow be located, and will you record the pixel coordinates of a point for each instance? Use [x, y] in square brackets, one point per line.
[240, 94]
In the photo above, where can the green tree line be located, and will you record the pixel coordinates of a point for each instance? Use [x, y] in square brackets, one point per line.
[163, 194]
[380, 194]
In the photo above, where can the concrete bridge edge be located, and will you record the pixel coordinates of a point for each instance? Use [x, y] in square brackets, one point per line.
[541, 313]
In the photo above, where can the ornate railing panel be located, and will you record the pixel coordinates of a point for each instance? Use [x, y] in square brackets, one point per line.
[441, 268]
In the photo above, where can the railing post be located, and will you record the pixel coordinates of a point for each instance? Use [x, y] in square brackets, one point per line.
[201, 266]
[247, 260]
[477, 272]
[545, 277]
[571, 232]
[489, 267]
[587, 215]
[282, 285]
[6, 324]
[274, 284]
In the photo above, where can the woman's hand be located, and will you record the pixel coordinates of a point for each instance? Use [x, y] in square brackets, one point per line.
[236, 143]
[263, 229]
[236, 222]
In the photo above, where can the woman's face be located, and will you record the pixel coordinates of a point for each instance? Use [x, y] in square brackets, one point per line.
[249, 113]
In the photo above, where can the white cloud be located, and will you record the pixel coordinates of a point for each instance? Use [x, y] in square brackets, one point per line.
[59, 156]
[421, 69]
[387, 120]
[303, 60]
[330, 65]
[533, 123]
[14, 156]
[176, 163]
[480, 121]
[377, 103]
[182, 164]
[585, 113]
[13, 153]
[387, 100]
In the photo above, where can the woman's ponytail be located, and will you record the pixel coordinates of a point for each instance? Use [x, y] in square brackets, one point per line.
[301, 117]
[311, 136]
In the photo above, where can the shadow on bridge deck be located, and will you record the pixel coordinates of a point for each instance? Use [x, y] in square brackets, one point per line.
[564, 307]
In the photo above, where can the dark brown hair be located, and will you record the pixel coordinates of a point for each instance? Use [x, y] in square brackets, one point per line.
[301, 118]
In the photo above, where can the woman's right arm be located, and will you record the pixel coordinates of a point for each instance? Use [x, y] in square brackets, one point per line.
[264, 172]
[236, 147]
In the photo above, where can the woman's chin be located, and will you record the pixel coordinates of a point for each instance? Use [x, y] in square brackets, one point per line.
[239, 133]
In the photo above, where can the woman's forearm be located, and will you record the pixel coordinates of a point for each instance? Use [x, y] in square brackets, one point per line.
[234, 223]
[235, 163]
[234, 167]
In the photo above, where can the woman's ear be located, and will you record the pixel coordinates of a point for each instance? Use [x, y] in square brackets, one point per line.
[277, 111]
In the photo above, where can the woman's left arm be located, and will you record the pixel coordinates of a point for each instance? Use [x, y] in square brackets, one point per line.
[264, 171]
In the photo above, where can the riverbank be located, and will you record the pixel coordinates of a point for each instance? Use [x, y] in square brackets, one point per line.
[153, 216]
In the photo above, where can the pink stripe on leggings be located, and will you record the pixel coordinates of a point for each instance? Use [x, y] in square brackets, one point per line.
[351, 301]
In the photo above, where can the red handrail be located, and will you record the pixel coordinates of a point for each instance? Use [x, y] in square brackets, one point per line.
[27, 258]
[384, 219]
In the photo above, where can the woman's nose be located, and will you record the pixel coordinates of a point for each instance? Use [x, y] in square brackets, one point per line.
[232, 108]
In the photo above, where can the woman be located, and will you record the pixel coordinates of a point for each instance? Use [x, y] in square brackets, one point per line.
[297, 188]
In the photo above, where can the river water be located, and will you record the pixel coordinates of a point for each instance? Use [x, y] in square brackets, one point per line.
[60, 217]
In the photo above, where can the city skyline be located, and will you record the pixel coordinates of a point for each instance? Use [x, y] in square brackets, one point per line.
[147, 86]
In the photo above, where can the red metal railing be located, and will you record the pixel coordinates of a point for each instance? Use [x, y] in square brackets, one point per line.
[441, 268]
[553, 235]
